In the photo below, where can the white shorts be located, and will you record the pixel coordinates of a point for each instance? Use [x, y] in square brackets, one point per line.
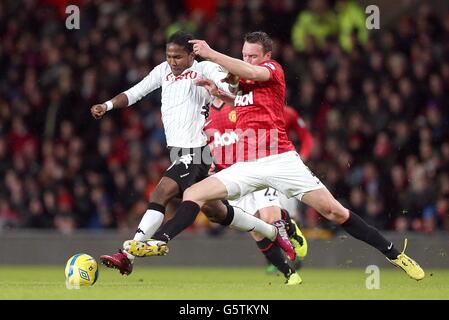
[291, 205]
[252, 202]
[284, 172]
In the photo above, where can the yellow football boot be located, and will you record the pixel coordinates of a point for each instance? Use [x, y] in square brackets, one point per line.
[298, 241]
[146, 248]
[408, 265]
[293, 279]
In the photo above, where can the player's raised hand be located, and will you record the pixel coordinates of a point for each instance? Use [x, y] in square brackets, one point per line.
[98, 110]
[209, 85]
[201, 48]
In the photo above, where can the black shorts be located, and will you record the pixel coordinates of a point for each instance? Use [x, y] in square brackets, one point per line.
[189, 165]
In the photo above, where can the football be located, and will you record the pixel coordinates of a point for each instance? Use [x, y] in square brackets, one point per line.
[81, 270]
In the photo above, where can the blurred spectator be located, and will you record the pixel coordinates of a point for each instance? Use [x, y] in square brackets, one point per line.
[351, 24]
[377, 105]
[314, 24]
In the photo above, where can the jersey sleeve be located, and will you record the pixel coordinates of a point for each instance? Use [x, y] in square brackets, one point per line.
[216, 73]
[276, 72]
[148, 84]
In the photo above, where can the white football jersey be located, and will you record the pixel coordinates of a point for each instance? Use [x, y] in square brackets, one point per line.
[182, 100]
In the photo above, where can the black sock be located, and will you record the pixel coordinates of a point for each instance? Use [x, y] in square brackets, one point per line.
[229, 216]
[359, 229]
[184, 216]
[274, 254]
[157, 207]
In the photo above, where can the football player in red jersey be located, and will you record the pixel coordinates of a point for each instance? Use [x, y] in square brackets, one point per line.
[268, 158]
[220, 128]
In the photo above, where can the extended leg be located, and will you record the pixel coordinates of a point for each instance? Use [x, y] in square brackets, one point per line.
[323, 201]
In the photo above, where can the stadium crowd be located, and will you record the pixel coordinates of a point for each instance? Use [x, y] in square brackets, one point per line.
[377, 104]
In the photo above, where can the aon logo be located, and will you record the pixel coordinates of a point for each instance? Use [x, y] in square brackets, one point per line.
[244, 100]
[225, 139]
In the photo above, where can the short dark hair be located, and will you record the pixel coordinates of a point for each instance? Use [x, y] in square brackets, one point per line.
[181, 38]
[261, 38]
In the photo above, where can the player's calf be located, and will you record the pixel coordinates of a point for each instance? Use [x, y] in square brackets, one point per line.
[274, 255]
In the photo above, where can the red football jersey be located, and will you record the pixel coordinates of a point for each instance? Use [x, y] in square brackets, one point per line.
[220, 129]
[260, 116]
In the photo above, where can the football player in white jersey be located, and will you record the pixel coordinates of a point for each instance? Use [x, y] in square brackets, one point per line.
[183, 117]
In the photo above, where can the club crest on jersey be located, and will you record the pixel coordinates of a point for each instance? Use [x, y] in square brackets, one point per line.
[244, 100]
[232, 116]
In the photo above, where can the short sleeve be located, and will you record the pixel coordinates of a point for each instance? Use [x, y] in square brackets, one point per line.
[216, 73]
[276, 72]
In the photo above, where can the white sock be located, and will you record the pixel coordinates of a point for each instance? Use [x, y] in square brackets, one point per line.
[245, 222]
[151, 221]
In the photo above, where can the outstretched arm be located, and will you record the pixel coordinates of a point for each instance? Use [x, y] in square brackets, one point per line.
[237, 67]
[119, 101]
[151, 82]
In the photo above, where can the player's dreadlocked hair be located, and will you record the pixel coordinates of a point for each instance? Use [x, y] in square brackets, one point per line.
[182, 38]
[261, 38]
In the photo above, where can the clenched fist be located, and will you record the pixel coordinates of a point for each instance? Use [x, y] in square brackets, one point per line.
[98, 110]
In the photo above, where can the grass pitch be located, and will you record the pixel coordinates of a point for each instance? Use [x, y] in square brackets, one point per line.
[181, 283]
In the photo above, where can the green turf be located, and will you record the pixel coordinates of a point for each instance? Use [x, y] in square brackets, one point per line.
[33, 282]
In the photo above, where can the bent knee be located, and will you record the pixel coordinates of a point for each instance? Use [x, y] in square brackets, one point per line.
[270, 214]
[160, 197]
[164, 193]
[192, 194]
